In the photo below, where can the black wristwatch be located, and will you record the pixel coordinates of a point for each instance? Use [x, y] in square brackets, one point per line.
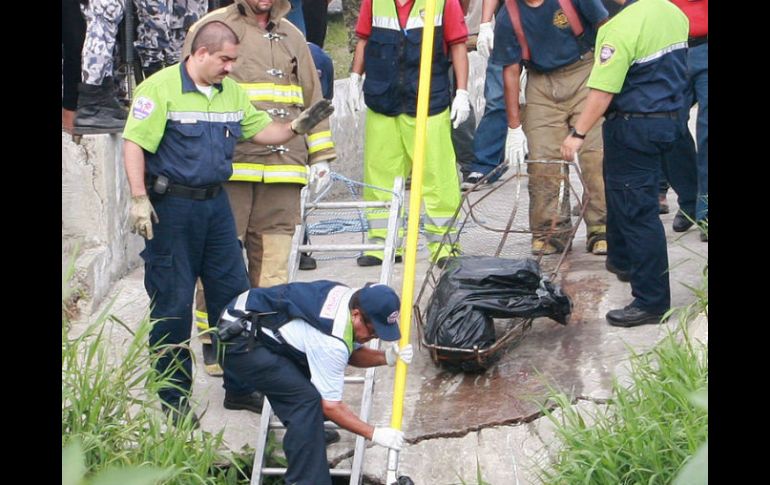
[574, 132]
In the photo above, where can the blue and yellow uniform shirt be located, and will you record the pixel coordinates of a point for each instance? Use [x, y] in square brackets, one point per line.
[186, 136]
[641, 56]
[552, 43]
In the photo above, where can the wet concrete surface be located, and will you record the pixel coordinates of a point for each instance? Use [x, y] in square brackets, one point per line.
[456, 417]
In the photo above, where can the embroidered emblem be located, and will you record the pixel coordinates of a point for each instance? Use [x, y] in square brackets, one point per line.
[393, 318]
[143, 107]
[606, 53]
[332, 302]
[560, 20]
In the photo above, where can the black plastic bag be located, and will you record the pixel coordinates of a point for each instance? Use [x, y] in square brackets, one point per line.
[472, 290]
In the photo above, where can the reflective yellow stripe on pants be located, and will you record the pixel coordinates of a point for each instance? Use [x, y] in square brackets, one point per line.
[388, 153]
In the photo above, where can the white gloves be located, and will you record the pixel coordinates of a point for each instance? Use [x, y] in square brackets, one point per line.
[319, 176]
[516, 145]
[392, 353]
[355, 92]
[461, 108]
[388, 437]
[485, 42]
[141, 216]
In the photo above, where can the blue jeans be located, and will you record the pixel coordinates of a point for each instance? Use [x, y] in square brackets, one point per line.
[489, 142]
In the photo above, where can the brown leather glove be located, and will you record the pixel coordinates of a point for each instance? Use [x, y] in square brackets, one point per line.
[142, 215]
[312, 116]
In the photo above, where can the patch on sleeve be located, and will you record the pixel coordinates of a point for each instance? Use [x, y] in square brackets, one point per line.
[606, 53]
[143, 107]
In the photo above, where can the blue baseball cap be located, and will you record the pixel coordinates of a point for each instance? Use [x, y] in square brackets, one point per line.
[381, 305]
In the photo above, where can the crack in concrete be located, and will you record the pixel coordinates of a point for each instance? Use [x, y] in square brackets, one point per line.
[370, 480]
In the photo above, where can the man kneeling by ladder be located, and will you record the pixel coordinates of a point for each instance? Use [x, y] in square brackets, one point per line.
[292, 342]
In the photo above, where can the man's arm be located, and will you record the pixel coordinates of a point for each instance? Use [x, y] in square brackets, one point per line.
[511, 75]
[595, 107]
[339, 413]
[366, 357]
[459, 53]
[133, 157]
[274, 134]
[488, 8]
[358, 57]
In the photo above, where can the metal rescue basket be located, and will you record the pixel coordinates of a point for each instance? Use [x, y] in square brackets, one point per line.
[493, 220]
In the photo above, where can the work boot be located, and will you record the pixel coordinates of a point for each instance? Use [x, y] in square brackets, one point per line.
[331, 436]
[249, 402]
[663, 204]
[369, 260]
[306, 262]
[98, 109]
[210, 360]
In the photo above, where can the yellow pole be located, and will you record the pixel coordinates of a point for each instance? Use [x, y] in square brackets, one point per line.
[415, 201]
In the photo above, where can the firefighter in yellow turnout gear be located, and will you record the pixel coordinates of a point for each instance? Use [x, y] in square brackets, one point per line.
[390, 35]
[276, 69]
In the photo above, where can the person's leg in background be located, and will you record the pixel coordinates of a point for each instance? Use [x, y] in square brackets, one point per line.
[699, 72]
[663, 187]
[462, 140]
[315, 15]
[489, 139]
[98, 109]
[73, 33]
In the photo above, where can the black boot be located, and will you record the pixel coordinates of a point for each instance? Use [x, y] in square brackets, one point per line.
[98, 109]
[249, 402]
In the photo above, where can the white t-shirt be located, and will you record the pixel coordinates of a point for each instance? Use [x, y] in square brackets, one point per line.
[327, 356]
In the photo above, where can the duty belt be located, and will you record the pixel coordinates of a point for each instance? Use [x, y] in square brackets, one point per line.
[195, 193]
[660, 114]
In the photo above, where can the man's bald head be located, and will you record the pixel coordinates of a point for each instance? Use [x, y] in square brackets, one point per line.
[213, 36]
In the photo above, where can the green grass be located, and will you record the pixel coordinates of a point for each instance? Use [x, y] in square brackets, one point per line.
[649, 430]
[336, 45]
[111, 416]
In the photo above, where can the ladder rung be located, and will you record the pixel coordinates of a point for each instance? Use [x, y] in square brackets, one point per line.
[335, 472]
[351, 204]
[355, 379]
[277, 424]
[309, 248]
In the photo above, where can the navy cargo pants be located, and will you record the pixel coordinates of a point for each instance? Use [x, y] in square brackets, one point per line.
[194, 238]
[634, 149]
[294, 399]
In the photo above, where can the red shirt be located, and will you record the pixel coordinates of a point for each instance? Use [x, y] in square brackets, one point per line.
[455, 30]
[698, 13]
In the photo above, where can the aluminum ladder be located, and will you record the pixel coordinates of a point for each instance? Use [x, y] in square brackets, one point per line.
[268, 422]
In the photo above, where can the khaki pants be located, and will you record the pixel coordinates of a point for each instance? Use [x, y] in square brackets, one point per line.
[554, 103]
[265, 218]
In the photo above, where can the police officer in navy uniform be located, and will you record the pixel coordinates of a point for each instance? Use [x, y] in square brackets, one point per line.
[178, 148]
[292, 342]
[638, 79]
